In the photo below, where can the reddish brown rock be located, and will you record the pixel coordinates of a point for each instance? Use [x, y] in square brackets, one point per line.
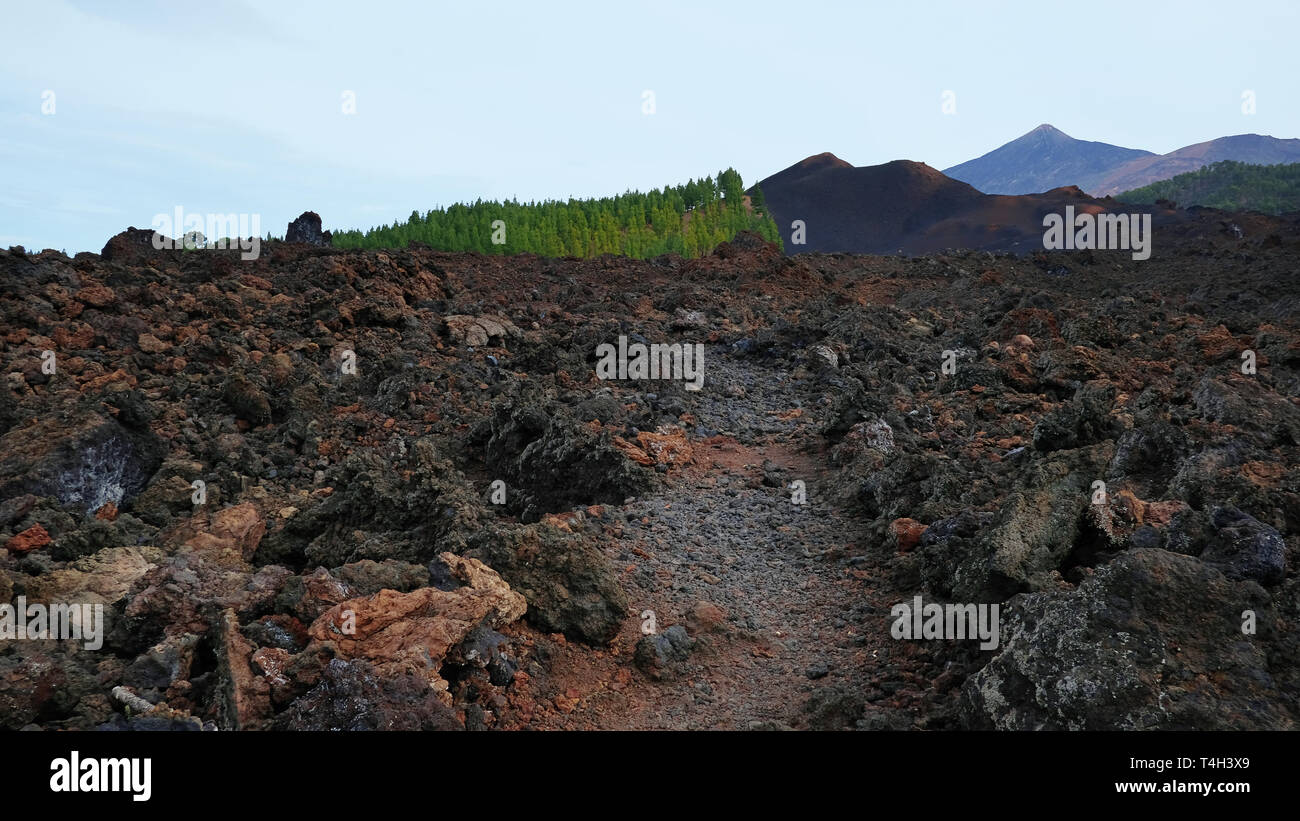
[243, 525]
[132, 245]
[479, 330]
[272, 662]
[96, 295]
[118, 380]
[666, 447]
[907, 533]
[77, 337]
[180, 592]
[233, 533]
[321, 591]
[1019, 343]
[400, 632]
[1218, 345]
[33, 538]
[705, 617]
[151, 344]
[245, 700]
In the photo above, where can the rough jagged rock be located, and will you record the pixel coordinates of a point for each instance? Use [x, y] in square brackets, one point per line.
[33, 538]
[407, 507]
[170, 492]
[1246, 548]
[368, 576]
[53, 686]
[550, 462]
[245, 696]
[413, 632]
[353, 696]
[104, 577]
[132, 245]
[247, 400]
[85, 461]
[1087, 419]
[660, 655]
[478, 331]
[566, 579]
[207, 574]
[1130, 649]
[1037, 528]
[307, 230]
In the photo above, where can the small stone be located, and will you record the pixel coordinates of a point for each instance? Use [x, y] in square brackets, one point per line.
[658, 655]
[907, 533]
[705, 617]
[819, 670]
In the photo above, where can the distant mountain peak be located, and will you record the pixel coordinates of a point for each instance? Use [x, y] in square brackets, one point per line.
[1046, 133]
[1254, 149]
[1040, 160]
[1047, 158]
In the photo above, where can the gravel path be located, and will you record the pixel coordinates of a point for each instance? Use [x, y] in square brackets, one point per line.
[797, 611]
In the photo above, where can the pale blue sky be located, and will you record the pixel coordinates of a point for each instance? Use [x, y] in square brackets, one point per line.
[235, 107]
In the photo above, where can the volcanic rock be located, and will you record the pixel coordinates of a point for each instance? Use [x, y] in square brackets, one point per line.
[413, 632]
[660, 655]
[306, 229]
[1121, 652]
[85, 461]
[566, 579]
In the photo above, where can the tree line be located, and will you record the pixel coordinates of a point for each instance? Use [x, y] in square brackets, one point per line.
[1230, 186]
[689, 220]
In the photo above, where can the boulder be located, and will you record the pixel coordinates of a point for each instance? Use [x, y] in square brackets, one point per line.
[1152, 640]
[85, 460]
[660, 655]
[351, 695]
[413, 632]
[134, 245]
[550, 462]
[569, 584]
[307, 230]
[1245, 548]
[477, 331]
[408, 505]
[1036, 528]
[102, 578]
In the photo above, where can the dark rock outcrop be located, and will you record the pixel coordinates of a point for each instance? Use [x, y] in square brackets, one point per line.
[307, 230]
[568, 583]
[1130, 650]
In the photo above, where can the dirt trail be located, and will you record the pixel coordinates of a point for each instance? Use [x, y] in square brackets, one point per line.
[798, 609]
